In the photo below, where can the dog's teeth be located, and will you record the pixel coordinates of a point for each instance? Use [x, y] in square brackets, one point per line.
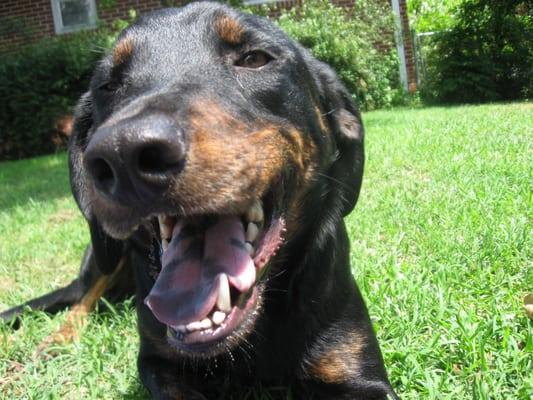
[255, 212]
[165, 227]
[249, 248]
[194, 326]
[181, 328]
[251, 232]
[164, 243]
[224, 297]
[218, 317]
[206, 323]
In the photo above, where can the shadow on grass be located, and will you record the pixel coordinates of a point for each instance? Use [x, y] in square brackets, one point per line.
[39, 179]
[136, 392]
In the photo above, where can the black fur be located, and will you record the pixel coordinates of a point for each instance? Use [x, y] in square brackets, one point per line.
[310, 305]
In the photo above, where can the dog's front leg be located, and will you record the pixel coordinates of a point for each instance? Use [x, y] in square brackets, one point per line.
[346, 364]
[162, 381]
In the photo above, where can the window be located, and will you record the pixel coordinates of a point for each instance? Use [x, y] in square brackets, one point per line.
[73, 15]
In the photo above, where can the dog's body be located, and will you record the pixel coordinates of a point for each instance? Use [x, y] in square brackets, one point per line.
[201, 123]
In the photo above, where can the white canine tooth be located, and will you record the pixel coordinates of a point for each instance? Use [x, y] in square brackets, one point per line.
[164, 243]
[249, 248]
[165, 226]
[206, 323]
[181, 328]
[218, 317]
[194, 326]
[166, 231]
[251, 232]
[224, 297]
[255, 212]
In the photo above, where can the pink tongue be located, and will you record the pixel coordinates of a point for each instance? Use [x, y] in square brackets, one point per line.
[188, 284]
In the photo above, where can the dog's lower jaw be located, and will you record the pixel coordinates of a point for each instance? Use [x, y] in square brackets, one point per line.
[295, 322]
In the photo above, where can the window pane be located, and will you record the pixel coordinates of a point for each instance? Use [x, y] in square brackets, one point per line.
[75, 12]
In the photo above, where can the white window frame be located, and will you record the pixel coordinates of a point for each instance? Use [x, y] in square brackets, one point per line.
[58, 19]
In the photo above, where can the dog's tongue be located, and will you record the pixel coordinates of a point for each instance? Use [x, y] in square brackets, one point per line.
[191, 275]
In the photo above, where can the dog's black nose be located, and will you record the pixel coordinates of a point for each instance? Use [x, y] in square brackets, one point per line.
[135, 158]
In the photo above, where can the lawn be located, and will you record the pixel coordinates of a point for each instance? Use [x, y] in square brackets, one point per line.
[442, 248]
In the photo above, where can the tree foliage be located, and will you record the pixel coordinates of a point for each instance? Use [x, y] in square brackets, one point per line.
[432, 15]
[487, 55]
[347, 40]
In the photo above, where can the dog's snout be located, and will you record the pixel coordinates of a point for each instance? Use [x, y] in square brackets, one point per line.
[135, 158]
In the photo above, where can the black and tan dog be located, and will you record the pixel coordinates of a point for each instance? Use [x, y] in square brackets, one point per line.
[214, 160]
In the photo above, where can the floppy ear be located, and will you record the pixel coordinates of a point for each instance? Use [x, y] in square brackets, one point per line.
[346, 169]
[107, 251]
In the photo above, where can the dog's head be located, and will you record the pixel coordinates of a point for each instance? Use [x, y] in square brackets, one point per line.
[205, 134]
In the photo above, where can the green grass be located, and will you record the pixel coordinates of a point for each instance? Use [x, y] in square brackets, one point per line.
[441, 247]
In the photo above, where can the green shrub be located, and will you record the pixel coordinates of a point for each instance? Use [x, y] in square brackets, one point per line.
[41, 83]
[486, 56]
[347, 40]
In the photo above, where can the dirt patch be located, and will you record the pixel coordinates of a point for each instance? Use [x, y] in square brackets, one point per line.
[61, 216]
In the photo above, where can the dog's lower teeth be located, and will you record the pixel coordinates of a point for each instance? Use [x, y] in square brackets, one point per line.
[249, 248]
[206, 323]
[194, 326]
[218, 317]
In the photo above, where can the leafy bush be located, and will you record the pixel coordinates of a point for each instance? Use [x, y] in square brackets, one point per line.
[348, 41]
[486, 56]
[432, 15]
[39, 84]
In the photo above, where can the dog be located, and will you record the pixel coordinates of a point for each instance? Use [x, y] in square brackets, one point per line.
[214, 160]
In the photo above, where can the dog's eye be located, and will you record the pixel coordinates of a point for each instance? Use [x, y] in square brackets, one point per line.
[111, 86]
[253, 59]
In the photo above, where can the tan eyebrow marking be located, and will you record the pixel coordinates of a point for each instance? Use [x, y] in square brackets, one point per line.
[122, 51]
[229, 29]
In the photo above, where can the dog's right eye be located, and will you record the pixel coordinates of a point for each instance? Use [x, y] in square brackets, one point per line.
[253, 59]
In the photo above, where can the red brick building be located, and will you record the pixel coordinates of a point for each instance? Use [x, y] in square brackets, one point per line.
[25, 21]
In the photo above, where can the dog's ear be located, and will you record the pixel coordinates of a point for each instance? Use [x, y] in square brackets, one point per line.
[107, 251]
[344, 121]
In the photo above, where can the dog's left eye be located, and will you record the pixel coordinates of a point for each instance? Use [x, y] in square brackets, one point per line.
[110, 87]
[253, 59]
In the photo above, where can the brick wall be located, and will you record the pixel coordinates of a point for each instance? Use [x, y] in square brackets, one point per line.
[25, 21]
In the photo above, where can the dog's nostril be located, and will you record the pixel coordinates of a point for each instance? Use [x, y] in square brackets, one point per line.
[150, 161]
[102, 173]
[158, 160]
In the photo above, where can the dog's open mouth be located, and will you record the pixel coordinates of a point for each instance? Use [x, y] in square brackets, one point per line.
[210, 266]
